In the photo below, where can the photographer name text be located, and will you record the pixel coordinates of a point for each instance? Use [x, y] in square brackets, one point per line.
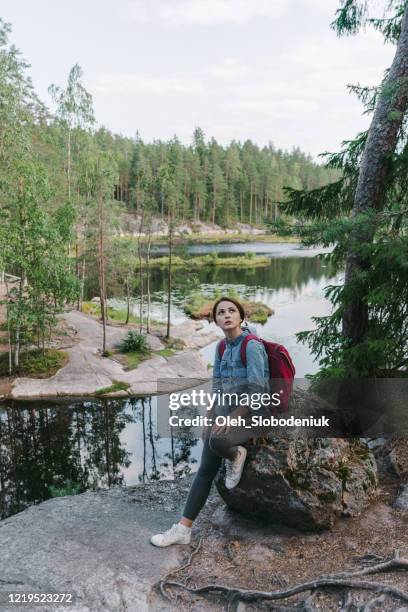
[257, 420]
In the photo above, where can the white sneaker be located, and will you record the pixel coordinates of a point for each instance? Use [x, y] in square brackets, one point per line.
[177, 534]
[235, 468]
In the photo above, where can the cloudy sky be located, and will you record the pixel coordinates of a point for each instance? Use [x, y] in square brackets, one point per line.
[268, 70]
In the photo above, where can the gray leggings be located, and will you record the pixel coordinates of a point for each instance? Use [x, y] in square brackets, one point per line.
[215, 449]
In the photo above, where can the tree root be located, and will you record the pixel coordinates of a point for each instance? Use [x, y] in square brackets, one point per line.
[164, 581]
[249, 595]
[343, 579]
[396, 562]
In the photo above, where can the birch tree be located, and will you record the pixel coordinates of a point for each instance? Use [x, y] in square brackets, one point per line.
[74, 111]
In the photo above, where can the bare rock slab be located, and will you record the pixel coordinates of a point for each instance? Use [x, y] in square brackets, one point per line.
[95, 546]
[304, 483]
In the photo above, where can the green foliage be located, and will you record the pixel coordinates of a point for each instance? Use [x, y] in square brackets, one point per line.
[166, 352]
[208, 182]
[212, 259]
[33, 238]
[74, 104]
[259, 314]
[131, 361]
[134, 342]
[68, 488]
[117, 385]
[37, 363]
[354, 14]
[32, 245]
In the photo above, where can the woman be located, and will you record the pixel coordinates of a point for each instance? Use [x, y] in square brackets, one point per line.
[222, 441]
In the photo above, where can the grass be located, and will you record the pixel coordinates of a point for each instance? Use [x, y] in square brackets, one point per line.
[120, 316]
[117, 385]
[212, 259]
[166, 352]
[114, 314]
[130, 361]
[227, 238]
[36, 363]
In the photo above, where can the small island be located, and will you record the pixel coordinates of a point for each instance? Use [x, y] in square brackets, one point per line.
[200, 307]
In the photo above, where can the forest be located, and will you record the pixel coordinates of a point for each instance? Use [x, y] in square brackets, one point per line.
[66, 185]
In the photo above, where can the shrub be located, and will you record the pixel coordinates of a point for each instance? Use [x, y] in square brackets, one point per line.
[68, 488]
[213, 258]
[134, 342]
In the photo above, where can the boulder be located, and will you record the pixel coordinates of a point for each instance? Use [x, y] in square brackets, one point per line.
[303, 483]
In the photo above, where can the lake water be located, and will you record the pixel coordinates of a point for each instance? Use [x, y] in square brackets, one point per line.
[48, 449]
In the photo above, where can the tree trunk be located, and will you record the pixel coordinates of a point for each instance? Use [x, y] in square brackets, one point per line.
[69, 165]
[381, 142]
[140, 254]
[77, 266]
[214, 202]
[17, 346]
[10, 350]
[141, 285]
[149, 241]
[127, 300]
[102, 273]
[82, 284]
[169, 279]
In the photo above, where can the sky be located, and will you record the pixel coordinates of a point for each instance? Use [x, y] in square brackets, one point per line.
[265, 70]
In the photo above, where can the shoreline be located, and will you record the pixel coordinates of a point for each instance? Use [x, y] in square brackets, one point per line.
[87, 372]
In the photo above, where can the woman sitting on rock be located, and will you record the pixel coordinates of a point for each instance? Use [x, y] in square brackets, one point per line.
[224, 441]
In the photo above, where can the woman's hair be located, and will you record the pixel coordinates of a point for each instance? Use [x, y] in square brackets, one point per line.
[228, 299]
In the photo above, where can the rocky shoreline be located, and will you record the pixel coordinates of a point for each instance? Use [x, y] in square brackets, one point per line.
[87, 371]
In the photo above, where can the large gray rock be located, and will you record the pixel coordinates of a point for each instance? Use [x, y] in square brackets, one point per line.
[303, 483]
[95, 546]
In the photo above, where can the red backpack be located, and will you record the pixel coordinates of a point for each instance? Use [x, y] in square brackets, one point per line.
[281, 368]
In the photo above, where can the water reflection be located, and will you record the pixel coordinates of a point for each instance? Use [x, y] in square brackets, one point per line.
[293, 273]
[49, 449]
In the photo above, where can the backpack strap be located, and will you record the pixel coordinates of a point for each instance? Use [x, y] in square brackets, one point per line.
[222, 345]
[244, 346]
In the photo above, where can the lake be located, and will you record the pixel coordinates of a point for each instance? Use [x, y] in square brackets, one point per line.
[49, 449]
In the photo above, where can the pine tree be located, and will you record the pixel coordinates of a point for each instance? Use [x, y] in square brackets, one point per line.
[363, 214]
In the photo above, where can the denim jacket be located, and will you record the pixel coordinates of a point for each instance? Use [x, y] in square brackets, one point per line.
[230, 374]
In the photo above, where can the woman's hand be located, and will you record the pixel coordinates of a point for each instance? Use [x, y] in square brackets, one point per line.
[220, 430]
